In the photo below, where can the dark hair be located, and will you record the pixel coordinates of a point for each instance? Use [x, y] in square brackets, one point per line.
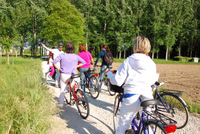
[69, 47]
[105, 47]
[82, 48]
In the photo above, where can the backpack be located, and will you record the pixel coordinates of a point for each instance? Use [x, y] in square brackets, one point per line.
[108, 58]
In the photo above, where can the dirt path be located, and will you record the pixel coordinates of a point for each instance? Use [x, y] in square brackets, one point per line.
[100, 118]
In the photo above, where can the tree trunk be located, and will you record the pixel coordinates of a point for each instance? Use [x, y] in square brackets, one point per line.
[7, 55]
[166, 55]
[120, 54]
[179, 50]
[124, 53]
[152, 55]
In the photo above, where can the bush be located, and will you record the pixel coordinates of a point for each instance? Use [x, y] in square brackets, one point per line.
[181, 58]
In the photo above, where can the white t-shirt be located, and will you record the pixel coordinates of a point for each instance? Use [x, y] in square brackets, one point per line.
[56, 53]
[50, 62]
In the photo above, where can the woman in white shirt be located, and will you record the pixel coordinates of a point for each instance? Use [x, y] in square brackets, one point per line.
[137, 73]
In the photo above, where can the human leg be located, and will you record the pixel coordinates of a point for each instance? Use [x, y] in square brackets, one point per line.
[103, 69]
[82, 77]
[57, 78]
[63, 83]
[52, 71]
[129, 108]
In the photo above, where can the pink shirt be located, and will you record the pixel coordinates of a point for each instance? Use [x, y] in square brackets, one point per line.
[86, 56]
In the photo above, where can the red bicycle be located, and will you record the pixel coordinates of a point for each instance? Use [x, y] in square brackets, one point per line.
[74, 95]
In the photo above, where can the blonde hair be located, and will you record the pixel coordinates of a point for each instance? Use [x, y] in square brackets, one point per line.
[141, 45]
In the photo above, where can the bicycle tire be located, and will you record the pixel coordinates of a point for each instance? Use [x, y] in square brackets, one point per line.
[112, 93]
[94, 86]
[47, 78]
[153, 126]
[68, 95]
[116, 112]
[177, 108]
[82, 104]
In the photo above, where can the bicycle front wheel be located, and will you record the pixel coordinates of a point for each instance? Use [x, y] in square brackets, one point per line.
[47, 79]
[94, 87]
[82, 104]
[116, 111]
[175, 108]
[68, 95]
[109, 89]
[152, 127]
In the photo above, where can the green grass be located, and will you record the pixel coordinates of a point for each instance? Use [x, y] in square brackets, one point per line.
[26, 104]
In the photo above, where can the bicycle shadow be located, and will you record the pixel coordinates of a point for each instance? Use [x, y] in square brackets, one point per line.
[79, 125]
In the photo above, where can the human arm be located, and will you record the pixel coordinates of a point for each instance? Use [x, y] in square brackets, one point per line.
[99, 56]
[55, 61]
[48, 49]
[82, 62]
[121, 75]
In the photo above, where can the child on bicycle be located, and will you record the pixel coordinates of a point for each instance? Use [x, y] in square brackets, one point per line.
[137, 73]
[68, 64]
[50, 63]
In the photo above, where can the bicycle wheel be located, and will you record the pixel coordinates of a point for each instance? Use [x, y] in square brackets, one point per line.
[109, 89]
[82, 104]
[93, 87]
[152, 127]
[47, 79]
[116, 112]
[68, 95]
[176, 108]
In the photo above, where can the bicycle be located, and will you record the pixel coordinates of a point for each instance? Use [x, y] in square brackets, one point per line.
[92, 83]
[148, 122]
[106, 82]
[171, 104]
[75, 95]
[47, 79]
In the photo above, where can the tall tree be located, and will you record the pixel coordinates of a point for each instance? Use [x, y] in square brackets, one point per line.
[65, 23]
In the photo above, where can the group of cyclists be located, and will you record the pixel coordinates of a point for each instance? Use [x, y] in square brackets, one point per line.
[137, 73]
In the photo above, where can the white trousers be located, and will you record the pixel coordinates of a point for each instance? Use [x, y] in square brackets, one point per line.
[130, 106]
[64, 78]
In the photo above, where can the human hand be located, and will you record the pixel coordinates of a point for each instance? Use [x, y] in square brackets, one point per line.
[107, 70]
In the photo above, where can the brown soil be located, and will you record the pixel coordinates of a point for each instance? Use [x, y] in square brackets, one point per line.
[180, 77]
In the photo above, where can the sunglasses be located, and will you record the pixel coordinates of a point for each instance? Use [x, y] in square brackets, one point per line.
[60, 47]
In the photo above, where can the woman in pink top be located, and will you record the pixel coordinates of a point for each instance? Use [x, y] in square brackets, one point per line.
[85, 69]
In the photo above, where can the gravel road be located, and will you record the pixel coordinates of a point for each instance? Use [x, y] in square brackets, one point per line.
[100, 120]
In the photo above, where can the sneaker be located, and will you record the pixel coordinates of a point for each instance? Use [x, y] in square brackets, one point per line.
[50, 77]
[129, 131]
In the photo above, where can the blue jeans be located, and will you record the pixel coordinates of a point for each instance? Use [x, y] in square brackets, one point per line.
[83, 72]
[103, 69]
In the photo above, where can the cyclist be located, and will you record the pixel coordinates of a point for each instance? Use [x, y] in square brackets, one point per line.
[56, 53]
[104, 66]
[68, 64]
[50, 63]
[85, 69]
[137, 73]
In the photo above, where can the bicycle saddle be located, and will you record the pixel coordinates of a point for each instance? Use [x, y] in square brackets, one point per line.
[75, 76]
[149, 102]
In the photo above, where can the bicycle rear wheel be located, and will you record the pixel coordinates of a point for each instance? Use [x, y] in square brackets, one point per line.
[153, 127]
[116, 112]
[94, 86]
[68, 95]
[82, 104]
[176, 109]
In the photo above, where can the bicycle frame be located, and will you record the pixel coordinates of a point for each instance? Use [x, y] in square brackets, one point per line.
[73, 91]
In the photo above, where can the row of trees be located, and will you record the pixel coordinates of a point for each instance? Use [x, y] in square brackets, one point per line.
[27, 22]
[172, 26]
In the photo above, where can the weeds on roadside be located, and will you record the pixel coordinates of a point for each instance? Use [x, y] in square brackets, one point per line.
[26, 104]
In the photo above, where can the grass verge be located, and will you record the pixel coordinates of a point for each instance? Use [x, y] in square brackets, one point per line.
[26, 104]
